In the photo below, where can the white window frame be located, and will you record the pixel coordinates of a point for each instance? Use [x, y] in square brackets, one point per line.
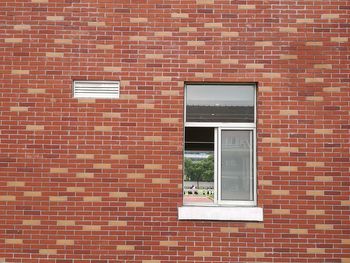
[218, 127]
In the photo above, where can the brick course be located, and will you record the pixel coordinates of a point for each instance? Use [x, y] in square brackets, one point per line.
[99, 180]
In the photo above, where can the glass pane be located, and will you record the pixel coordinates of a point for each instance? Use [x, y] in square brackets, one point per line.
[199, 165]
[236, 166]
[220, 103]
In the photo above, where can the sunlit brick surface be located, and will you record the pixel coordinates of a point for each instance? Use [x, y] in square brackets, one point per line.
[100, 180]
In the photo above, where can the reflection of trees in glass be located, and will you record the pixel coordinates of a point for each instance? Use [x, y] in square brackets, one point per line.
[200, 171]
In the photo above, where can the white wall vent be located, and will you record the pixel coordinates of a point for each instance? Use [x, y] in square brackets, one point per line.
[96, 89]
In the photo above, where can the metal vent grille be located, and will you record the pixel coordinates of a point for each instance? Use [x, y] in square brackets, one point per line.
[96, 89]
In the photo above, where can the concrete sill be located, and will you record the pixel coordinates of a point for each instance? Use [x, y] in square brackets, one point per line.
[220, 213]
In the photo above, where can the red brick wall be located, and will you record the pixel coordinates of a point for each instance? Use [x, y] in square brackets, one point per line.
[100, 181]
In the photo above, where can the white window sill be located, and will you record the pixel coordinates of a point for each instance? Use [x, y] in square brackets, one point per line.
[220, 213]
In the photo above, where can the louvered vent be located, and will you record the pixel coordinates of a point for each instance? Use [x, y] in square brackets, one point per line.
[96, 89]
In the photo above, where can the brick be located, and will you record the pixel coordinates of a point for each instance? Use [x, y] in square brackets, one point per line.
[31, 222]
[339, 39]
[21, 27]
[280, 192]
[263, 43]
[154, 56]
[18, 109]
[111, 115]
[163, 34]
[280, 211]
[59, 170]
[104, 46]
[345, 241]
[32, 193]
[271, 140]
[103, 128]
[314, 43]
[65, 242]
[40, 1]
[160, 181]
[229, 61]
[119, 157]
[84, 156]
[271, 75]
[203, 75]
[161, 79]
[47, 251]
[288, 29]
[112, 69]
[152, 138]
[13, 40]
[289, 112]
[118, 194]
[315, 164]
[55, 18]
[65, 222]
[305, 20]
[287, 57]
[323, 131]
[13, 241]
[229, 229]
[187, 29]
[96, 24]
[323, 227]
[135, 175]
[170, 120]
[85, 175]
[92, 198]
[182, 15]
[314, 98]
[151, 261]
[196, 61]
[255, 225]
[203, 253]
[299, 231]
[35, 127]
[265, 182]
[254, 66]
[315, 250]
[58, 198]
[63, 41]
[7, 198]
[20, 72]
[289, 149]
[91, 228]
[323, 178]
[330, 16]
[246, 7]
[230, 34]
[102, 166]
[170, 93]
[117, 223]
[213, 25]
[315, 212]
[36, 91]
[255, 254]
[204, 2]
[169, 243]
[315, 192]
[135, 204]
[345, 260]
[138, 19]
[138, 38]
[314, 80]
[15, 184]
[54, 54]
[153, 166]
[75, 189]
[125, 248]
[145, 106]
[323, 66]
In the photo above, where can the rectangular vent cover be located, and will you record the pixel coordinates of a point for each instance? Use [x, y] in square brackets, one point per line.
[96, 89]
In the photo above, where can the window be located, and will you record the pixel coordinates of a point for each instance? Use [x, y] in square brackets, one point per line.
[219, 150]
[96, 89]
